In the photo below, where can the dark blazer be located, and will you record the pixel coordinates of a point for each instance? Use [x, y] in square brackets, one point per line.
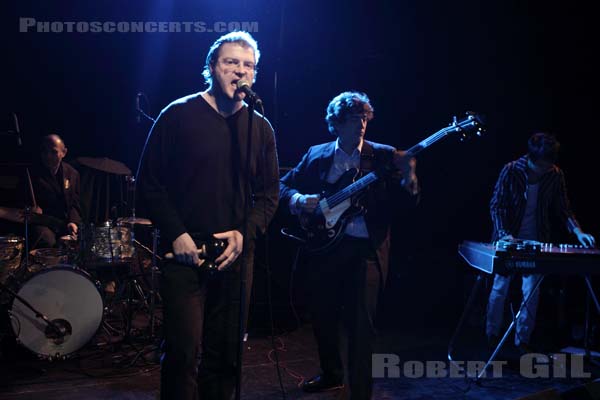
[57, 196]
[310, 177]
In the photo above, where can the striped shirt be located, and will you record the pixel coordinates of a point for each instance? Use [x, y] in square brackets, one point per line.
[508, 203]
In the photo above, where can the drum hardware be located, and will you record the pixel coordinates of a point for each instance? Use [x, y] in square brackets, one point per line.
[26, 220]
[133, 221]
[149, 300]
[111, 244]
[45, 257]
[109, 329]
[11, 248]
[56, 330]
[67, 301]
[70, 245]
[122, 330]
[150, 304]
[130, 294]
[133, 289]
[146, 223]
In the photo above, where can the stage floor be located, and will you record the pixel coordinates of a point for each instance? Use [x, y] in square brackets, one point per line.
[118, 369]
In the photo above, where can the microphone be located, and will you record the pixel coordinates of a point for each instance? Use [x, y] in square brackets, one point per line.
[137, 107]
[250, 95]
[57, 330]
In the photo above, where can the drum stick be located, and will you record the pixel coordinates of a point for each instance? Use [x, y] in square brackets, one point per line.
[31, 188]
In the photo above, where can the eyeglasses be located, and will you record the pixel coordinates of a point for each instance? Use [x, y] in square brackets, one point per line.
[235, 63]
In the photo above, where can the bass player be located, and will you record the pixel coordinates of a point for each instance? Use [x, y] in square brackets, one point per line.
[346, 278]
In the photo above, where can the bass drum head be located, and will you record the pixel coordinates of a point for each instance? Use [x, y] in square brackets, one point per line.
[66, 296]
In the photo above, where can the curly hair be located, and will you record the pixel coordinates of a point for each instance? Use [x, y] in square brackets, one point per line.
[345, 104]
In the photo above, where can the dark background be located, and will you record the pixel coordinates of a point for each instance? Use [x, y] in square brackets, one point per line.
[526, 66]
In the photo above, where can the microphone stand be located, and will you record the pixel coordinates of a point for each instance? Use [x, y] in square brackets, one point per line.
[155, 231]
[139, 109]
[51, 324]
[243, 266]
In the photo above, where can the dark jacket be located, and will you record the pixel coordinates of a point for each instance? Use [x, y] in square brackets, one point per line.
[310, 176]
[57, 196]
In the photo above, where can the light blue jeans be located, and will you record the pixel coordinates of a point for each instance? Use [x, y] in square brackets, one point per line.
[495, 310]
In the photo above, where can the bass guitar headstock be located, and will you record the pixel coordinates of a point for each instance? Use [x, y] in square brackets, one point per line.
[471, 125]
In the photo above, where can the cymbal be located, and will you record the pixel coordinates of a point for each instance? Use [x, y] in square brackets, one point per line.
[105, 164]
[11, 214]
[134, 220]
[17, 215]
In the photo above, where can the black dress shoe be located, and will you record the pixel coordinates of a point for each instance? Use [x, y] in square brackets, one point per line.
[321, 383]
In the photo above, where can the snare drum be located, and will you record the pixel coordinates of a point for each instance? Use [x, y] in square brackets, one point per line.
[11, 248]
[71, 245]
[67, 296]
[112, 243]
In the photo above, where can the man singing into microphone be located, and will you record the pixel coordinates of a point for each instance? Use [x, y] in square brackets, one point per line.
[194, 185]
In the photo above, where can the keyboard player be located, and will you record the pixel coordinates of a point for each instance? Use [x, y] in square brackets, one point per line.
[530, 194]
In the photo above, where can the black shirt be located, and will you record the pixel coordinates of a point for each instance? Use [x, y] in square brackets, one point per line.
[191, 176]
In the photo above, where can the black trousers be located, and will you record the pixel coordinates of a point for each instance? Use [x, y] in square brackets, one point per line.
[201, 320]
[345, 287]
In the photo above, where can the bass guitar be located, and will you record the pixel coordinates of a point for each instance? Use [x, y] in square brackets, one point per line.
[324, 227]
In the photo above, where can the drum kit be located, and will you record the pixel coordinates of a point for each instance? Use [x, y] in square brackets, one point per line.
[59, 299]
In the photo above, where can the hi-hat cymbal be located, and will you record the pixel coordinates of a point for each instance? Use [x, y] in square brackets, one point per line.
[18, 215]
[11, 214]
[134, 220]
[105, 164]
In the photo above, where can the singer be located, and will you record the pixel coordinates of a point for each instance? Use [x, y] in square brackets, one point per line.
[194, 188]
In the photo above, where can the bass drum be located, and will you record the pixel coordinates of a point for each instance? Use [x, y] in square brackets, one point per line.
[11, 248]
[67, 296]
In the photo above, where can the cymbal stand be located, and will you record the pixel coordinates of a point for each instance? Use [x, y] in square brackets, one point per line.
[151, 304]
[26, 215]
[130, 187]
[153, 268]
[133, 287]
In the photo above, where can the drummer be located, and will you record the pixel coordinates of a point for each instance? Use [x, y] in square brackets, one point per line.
[53, 193]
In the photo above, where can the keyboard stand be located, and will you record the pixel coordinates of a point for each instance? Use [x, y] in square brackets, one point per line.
[469, 306]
